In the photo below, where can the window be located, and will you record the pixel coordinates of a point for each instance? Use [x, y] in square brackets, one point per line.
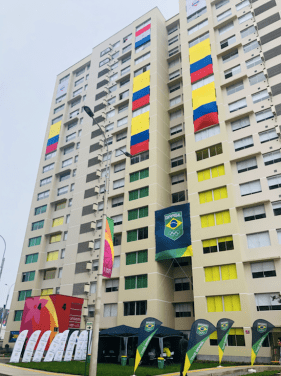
[122, 121]
[177, 161]
[66, 162]
[139, 234]
[43, 195]
[259, 239]
[173, 40]
[79, 132]
[177, 145]
[116, 263]
[128, 37]
[117, 239]
[257, 78]
[235, 338]
[250, 46]
[77, 92]
[206, 133]
[264, 115]
[117, 219]
[196, 14]
[70, 137]
[112, 88]
[199, 39]
[64, 79]
[140, 157]
[237, 105]
[138, 193]
[30, 259]
[103, 53]
[142, 70]
[109, 127]
[253, 213]
[114, 66]
[209, 152]
[227, 42]
[72, 125]
[222, 303]
[40, 210]
[260, 96]
[142, 174]
[226, 27]
[142, 47]
[176, 129]
[62, 190]
[55, 238]
[139, 257]
[70, 202]
[215, 219]
[118, 183]
[115, 55]
[245, 17]
[111, 285]
[123, 108]
[135, 308]
[213, 195]
[113, 77]
[58, 109]
[102, 188]
[48, 167]
[125, 60]
[60, 205]
[232, 71]
[266, 302]
[124, 82]
[173, 63]
[212, 172]
[272, 157]
[242, 5]
[45, 292]
[121, 136]
[171, 77]
[218, 244]
[80, 71]
[250, 30]
[72, 187]
[178, 197]
[183, 309]
[119, 167]
[18, 315]
[176, 179]
[274, 182]
[175, 114]
[95, 265]
[182, 284]
[230, 56]
[263, 269]
[68, 149]
[175, 100]
[125, 70]
[120, 151]
[74, 103]
[78, 145]
[50, 155]
[235, 88]
[62, 255]
[45, 181]
[57, 119]
[224, 15]
[110, 114]
[24, 294]
[127, 48]
[243, 143]
[136, 282]
[222, 272]
[253, 62]
[78, 82]
[28, 276]
[241, 123]
[172, 30]
[202, 82]
[104, 62]
[49, 274]
[110, 310]
[196, 27]
[117, 201]
[124, 95]
[250, 188]
[37, 225]
[137, 213]
[105, 157]
[276, 206]
[142, 58]
[247, 165]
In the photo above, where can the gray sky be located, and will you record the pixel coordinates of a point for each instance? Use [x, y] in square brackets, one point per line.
[38, 40]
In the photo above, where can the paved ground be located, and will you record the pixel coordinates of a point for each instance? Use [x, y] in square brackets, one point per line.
[7, 370]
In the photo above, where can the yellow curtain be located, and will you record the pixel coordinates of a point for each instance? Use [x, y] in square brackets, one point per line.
[55, 238]
[52, 256]
[57, 222]
[218, 303]
[225, 239]
[232, 303]
[218, 171]
[208, 274]
[207, 220]
[211, 304]
[205, 197]
[220, 193]
[209, 243]
[46, 292]
[204, 175]
[222, 217]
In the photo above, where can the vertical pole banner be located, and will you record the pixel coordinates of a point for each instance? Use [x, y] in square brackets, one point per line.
[223, 329]
[200, 332]
[260, 331]
[108, 256]
[148, 328]
[70, 346]
[53, 348]
[37, 357]
[60, 350]
[30, 346]
[80, 345]
[15, 357]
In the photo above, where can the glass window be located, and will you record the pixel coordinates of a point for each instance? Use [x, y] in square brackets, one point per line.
[224, 15]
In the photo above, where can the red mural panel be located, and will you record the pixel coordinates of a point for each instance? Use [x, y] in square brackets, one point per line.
[51, 148]
[201, 73]
[141, 102]
[206, 121]
[139, 148]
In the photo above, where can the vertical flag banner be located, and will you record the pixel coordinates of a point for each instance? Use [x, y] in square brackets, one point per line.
[15, 357]
[53, 348]
[53, 139]
[80, 345]
[62, 88]
[41, 346]
[200, 332]
[148, 328]
[70, 346]
[223, 329]
[60, 350]
[260, 331]
[143, 35]
[108, 256]
[172, 232]
[192, 6]
[30, 346]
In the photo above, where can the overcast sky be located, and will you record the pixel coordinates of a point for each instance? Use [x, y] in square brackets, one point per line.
[38, 40]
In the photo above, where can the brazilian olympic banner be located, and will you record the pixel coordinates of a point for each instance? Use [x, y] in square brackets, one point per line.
[172, 232]
[148, 328]
[223, 329]
[260, 331]
[192, 6]
[108, 256]
[200, 332]
[15, 357]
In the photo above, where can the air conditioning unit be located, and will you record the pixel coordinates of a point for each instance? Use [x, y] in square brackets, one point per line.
[85, 311]
[97, 189]
[91, 245]
[273, 109]
[88, 266]
[98, 173]
[269, 90]
[101, 143]
[95, 207]
[253, 12]
[261, 55]
[103, 114]
[93, 225]
[278, 130]
[104, 101]
[99, 157]
[255, 24]
[259, 40]
[265, 72]
[86, 288]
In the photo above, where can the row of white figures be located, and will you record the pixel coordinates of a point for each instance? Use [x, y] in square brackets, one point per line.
[56, 349]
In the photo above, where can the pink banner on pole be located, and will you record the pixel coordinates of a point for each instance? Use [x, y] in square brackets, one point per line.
[108, 256]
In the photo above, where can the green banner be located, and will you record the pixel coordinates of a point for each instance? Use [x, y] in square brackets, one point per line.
[223, 329]
[260, 331]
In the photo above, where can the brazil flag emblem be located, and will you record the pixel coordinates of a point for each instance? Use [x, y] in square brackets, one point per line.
[202, 329]
[173, 225]
[149, 326]
[224, 325]
[262, 327]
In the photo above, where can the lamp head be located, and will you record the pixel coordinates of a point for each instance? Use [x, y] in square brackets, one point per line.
[88, 111]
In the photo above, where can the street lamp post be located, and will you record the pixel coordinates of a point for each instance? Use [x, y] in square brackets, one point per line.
[3, 258]
[5, 307]
[95, 338]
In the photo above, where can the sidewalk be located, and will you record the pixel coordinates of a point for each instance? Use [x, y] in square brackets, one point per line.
[7, 370]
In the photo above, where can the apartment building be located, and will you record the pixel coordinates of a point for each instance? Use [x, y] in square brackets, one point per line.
[204, 87]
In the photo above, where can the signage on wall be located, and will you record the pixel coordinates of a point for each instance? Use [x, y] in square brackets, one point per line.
[192, 6]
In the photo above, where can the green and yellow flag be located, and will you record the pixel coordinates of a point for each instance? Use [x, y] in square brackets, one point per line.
[260, 331]
[148, 328]
[223, 329]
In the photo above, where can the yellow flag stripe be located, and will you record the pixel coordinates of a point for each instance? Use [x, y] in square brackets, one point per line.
[220, 355]
[137, 361]
[253, 357]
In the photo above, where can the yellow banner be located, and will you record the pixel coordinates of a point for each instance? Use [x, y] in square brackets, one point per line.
[199, 51]
[55, 129]
[140, 123]
[203, 95]
[141, 81]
